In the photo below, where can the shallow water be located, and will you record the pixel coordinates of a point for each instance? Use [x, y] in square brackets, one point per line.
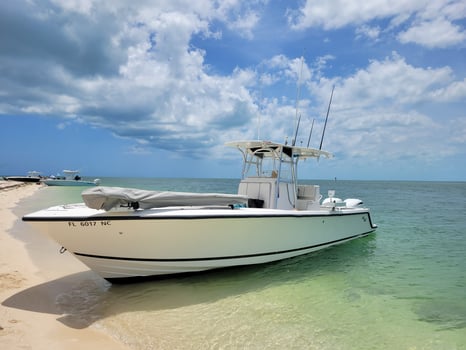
[402, 288]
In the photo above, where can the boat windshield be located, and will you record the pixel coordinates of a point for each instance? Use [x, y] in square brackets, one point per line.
[268, 163]
[258, 167]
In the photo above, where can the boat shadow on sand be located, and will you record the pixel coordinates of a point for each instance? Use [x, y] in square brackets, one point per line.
[83, 298]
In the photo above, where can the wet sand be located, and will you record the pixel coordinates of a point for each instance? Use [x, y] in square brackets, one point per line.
[29, 315]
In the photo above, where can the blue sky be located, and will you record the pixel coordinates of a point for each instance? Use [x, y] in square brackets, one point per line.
[155, 88]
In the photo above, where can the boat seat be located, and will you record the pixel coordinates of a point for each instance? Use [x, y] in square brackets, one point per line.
[309, 192]
[308, 197]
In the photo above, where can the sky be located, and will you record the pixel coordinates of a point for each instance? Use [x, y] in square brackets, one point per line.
[155, 88]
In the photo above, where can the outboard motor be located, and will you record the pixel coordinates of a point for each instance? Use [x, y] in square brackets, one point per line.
[333, 201]
[353, 202]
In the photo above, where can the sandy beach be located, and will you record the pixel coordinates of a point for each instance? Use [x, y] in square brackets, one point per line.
[29, 316]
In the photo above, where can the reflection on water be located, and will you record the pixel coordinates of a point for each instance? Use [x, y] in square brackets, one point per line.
[92, 299]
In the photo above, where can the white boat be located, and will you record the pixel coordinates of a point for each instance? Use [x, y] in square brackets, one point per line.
[122, 233]
[71, 178]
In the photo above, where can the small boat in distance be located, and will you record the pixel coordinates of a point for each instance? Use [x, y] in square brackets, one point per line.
[33, 176]
[71, 178]
[121, 233]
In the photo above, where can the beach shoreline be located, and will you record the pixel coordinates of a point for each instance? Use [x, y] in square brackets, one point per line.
[29, 316]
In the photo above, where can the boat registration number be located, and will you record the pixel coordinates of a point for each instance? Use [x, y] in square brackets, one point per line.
[88, 223]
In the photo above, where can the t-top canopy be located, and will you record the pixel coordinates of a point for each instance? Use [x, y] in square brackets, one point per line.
[259, 148]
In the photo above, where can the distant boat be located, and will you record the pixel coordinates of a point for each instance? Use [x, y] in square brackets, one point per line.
[123, 232]
[33, 176]
[71, 178]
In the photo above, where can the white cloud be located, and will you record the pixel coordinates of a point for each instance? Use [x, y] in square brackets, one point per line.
[394, 81]
[245, 24]
[454, 92]
[335, 14]
[375, 113]
[427, 23]
[292, 70]
[369, 32]
[434, 33]
[79, 6]
[159, 90]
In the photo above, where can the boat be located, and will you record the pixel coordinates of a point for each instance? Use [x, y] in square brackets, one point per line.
[122, 233]
[71, 178]
[32, 176]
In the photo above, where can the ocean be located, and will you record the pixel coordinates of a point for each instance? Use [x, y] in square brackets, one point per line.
[403, 287]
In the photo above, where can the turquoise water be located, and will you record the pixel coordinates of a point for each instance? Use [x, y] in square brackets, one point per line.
[401, 288]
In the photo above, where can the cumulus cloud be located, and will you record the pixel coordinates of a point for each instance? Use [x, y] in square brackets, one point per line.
[130, 70]
[438, 32]
[427, 23]
[393, 80]
[335, 14]
[379, 108]
[369, 32]
[245, 24]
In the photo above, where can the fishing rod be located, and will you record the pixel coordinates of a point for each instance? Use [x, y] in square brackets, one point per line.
[298, 92]
[326, 118]
[310, 134]
[296, 132]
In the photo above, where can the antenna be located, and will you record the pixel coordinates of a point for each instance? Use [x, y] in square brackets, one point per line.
[326, 118]
[259, 117]
[310, 134]
[298, 91]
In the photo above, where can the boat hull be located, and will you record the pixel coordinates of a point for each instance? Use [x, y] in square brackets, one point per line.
[68, 183]
[22, 178]
[162, 242]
